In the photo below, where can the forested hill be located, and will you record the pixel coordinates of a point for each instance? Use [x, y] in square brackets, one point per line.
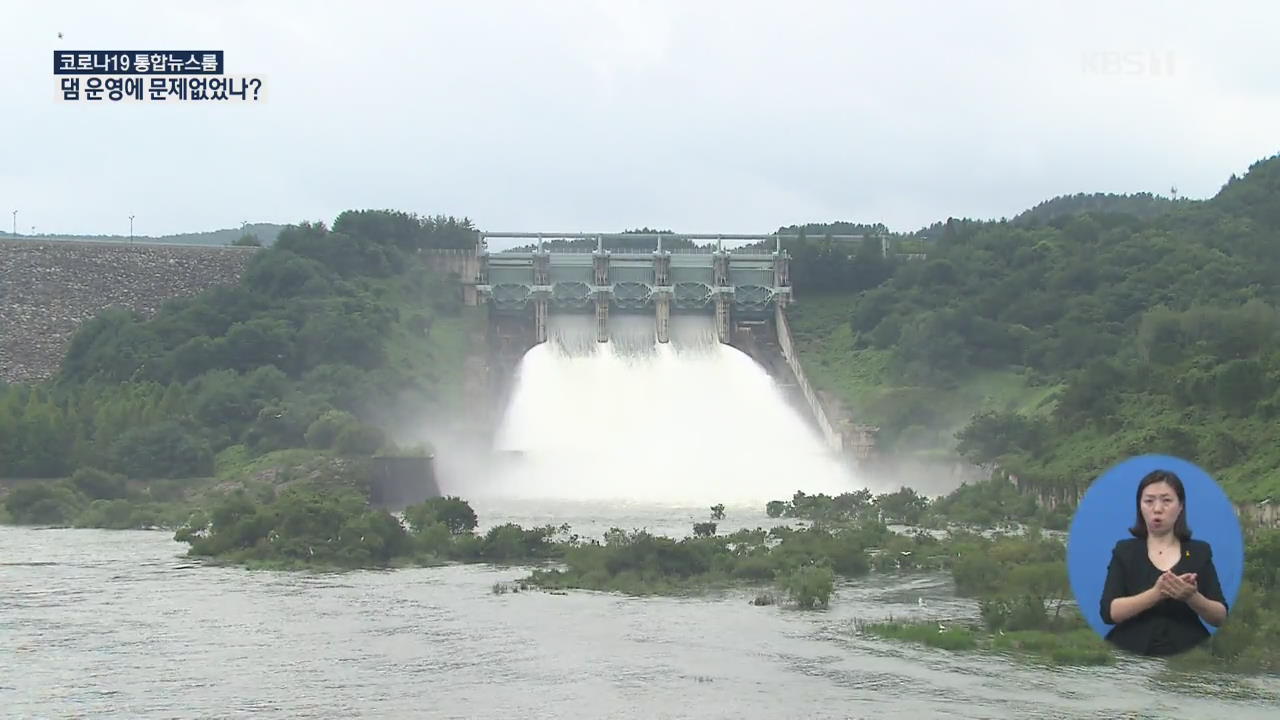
[1089, 338]
[329, 333]
[1141, 205]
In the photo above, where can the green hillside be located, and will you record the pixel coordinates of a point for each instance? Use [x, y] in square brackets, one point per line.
[332, 336]
[1059, 348]
[1141, 205]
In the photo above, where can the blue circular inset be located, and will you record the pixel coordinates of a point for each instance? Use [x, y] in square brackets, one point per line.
[1109, 508]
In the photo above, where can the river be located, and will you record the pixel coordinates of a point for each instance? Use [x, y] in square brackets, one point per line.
[119, 624]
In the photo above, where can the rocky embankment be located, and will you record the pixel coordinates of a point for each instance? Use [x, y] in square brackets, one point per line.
[48, 288]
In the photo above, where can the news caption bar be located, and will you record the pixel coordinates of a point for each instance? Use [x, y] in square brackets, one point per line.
[150, 75]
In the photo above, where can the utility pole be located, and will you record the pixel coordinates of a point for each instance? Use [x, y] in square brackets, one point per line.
[15, 223]
[130, 229]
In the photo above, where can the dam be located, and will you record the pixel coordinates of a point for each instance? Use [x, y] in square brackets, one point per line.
[659, 374]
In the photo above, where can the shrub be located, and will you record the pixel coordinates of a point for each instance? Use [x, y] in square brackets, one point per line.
[810, 587]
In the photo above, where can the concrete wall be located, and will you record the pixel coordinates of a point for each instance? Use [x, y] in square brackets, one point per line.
[466, 263]
[1264, 515]
[399, 482]
[834, 439]
[48, 288]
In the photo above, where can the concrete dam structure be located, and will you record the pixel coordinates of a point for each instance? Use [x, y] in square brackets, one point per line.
[591, 344]
[744, 284]
[49, 286]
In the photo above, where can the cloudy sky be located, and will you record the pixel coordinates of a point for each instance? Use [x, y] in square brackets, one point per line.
[700, 116]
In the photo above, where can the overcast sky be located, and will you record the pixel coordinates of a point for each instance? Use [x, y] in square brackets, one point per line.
[598, 116]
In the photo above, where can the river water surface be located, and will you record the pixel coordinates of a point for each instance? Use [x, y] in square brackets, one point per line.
[120, 624]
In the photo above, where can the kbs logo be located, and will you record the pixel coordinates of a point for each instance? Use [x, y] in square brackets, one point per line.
[1138, 63]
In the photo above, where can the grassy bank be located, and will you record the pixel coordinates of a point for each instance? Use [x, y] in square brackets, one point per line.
[1080, 646]
[917, 420]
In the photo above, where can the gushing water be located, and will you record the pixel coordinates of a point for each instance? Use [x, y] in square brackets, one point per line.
[688, 422]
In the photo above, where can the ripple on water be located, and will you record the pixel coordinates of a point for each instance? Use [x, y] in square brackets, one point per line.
[99, 624]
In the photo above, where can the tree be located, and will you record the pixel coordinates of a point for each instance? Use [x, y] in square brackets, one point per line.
[324, 430]
[163, 450]
[904, 506]
[99, 485]
[810, 587]
[359, 439]
[930, 350]
[1238, 385]
[44, 503]
[452, 512]
[991, 435]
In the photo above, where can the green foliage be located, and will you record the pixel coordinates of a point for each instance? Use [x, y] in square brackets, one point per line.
[512, 543]
[639, 563]
[992, 435]
[1137, 205]
[407, 231]
[704, 529]
[1023, 599]
[305, 524]
[162, 450]
[359, 439]
[945, 638]
[44, 503]
[810, 587]
[35, 436]
[1117, 330]
[985, 566]
[1250, 639]
[323, 322]
[454, 513]
[131, 514]
[99, 485]
[905, 506]
[324, 431]
[985, 504]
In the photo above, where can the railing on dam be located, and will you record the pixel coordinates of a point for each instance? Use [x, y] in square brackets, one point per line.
[707, 251]
[631, 279]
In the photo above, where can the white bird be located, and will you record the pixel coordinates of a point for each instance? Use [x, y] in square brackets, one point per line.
[920, 601]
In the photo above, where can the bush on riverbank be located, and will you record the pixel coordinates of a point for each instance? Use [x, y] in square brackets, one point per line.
[1249, 641]
[91, 498]
[1077, 647]
[802, 562]
[986, 504]
[316, 524]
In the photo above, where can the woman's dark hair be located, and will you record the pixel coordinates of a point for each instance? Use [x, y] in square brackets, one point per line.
[1180, 529]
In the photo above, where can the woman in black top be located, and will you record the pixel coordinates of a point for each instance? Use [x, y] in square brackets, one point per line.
[1161, 583]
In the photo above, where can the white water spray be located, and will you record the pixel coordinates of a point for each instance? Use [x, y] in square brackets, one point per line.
[689, 422]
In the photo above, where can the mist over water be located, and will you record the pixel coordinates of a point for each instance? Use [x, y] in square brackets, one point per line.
[690, 422]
